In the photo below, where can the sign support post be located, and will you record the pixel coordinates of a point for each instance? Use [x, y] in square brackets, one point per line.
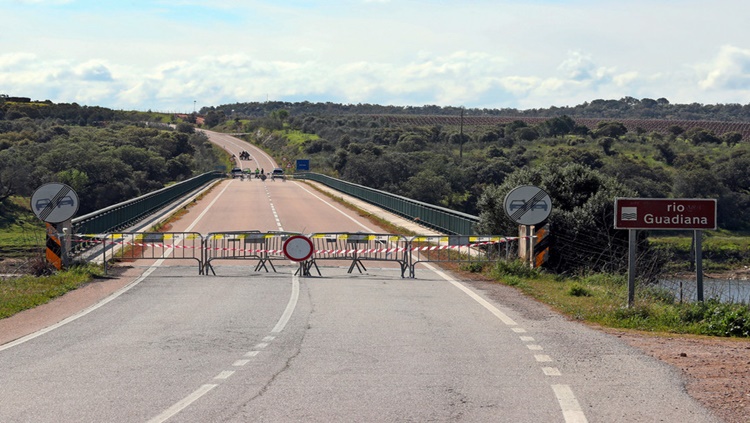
[696, 214]
[632, 254]
[531, 232]
[698, 235]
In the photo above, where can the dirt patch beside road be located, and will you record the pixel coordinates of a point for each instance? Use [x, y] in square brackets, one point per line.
[717, 370]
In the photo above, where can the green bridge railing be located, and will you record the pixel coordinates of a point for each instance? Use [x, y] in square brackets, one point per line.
[439, 218]
[123, 214]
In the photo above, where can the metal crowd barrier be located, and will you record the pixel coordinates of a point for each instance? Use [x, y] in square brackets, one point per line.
[265, 247]
[458, 249]
[154, 245]
[358, 247]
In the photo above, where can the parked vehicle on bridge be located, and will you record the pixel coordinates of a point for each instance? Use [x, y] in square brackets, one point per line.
[236, 172]
[278, 173]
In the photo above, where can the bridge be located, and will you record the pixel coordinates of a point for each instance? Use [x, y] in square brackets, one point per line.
[205, 322]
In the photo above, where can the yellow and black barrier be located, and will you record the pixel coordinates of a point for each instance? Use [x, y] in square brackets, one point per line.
[54, 249]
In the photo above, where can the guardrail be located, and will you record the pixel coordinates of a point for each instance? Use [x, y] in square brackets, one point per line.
[119, 216]
[440, 218]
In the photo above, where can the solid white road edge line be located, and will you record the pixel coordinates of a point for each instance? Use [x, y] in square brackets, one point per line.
[492, 309]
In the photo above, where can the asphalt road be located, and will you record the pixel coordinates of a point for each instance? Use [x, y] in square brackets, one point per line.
[245, 346]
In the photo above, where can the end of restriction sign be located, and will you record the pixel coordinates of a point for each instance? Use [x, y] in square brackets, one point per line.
[528, 205]
[54, 202]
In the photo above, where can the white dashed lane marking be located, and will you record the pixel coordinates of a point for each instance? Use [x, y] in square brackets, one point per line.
[247, 358]
[225, 374]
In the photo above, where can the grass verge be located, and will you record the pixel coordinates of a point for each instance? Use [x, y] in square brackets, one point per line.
[601, 299]
[25, 292]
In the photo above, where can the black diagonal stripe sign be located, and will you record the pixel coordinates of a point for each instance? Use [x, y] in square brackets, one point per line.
[528, 205]
[54, 202]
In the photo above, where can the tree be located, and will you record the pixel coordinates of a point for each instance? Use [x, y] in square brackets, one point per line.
[732, 138]
[610, 129]
[427, 186]
[606, 144]
[675, 130]
[281, 114]
[526, 134]
[185, 128]
[699, 136]
[14, 173]
[557, 126]
[213, 118]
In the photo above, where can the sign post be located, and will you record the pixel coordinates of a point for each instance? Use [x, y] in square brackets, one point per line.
[696, 214]
[527, 206]
[56, 204]
[299, 248]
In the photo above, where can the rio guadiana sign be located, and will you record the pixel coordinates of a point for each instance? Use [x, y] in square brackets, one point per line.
[665, 213]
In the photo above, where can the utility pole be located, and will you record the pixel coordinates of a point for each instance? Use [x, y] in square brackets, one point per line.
[461, 137]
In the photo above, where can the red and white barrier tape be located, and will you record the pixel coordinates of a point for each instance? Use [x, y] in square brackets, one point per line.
[320, 252]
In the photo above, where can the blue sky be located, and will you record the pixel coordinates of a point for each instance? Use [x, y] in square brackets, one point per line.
[166, 55]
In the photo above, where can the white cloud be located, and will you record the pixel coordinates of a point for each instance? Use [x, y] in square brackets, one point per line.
[93, 71]
[504, 53]
[578, 67]
[730, 70]
[13, 62]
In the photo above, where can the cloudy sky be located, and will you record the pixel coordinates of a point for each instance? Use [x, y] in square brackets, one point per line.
[179, 54]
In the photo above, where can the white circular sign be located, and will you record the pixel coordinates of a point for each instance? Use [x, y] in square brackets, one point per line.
[54, 202]
[298, 248]
[528, 205]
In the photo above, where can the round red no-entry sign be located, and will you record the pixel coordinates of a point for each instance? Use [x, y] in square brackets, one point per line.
[298, 248]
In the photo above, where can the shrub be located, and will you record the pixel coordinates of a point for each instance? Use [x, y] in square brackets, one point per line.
[655, 293]
[512, 280]
[517, 268]
[578, 290]
[473, 267]
[728, 319]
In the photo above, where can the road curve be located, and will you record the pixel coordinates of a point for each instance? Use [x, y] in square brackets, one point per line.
[372, 347]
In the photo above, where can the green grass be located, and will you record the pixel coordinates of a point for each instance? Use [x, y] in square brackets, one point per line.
[297, 137]
[21, 232]
[22, 293]
[601, 299]
[720, 250]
